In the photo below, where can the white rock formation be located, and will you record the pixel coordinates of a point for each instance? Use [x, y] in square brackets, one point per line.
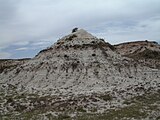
[79, 63]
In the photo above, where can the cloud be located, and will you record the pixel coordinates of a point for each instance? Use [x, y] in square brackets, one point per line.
[122, 31]
[32, 21]
[41, 43]
[21, 43]
[7, 10]
[23, 48]
[4, 55]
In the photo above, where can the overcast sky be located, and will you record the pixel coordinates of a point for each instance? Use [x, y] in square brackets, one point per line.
[27, 26]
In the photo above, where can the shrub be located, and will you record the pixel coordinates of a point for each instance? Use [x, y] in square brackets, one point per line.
[80, 109]
[9, 100]
[101, 39]
[74, 65]
[93, 54]
[74, 30]
[106, 97]
[66, 56]
[71, 37]
[63, 116]
[93, 42]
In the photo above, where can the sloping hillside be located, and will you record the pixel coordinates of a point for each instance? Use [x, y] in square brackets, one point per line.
[147, 52]
[81, 77]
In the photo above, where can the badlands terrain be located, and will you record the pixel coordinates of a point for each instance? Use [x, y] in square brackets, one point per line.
[82, 77]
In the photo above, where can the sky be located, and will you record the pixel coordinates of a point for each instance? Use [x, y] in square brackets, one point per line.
[28, 26]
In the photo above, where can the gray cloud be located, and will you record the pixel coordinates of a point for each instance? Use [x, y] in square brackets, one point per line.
[148, 29]
[22, 48]
[23, 22]
[4, 55]
[7, 10]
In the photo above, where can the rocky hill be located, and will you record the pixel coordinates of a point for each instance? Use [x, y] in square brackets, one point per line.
[146, 51]
[6, 64]
[140, 49]
[82, 77]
